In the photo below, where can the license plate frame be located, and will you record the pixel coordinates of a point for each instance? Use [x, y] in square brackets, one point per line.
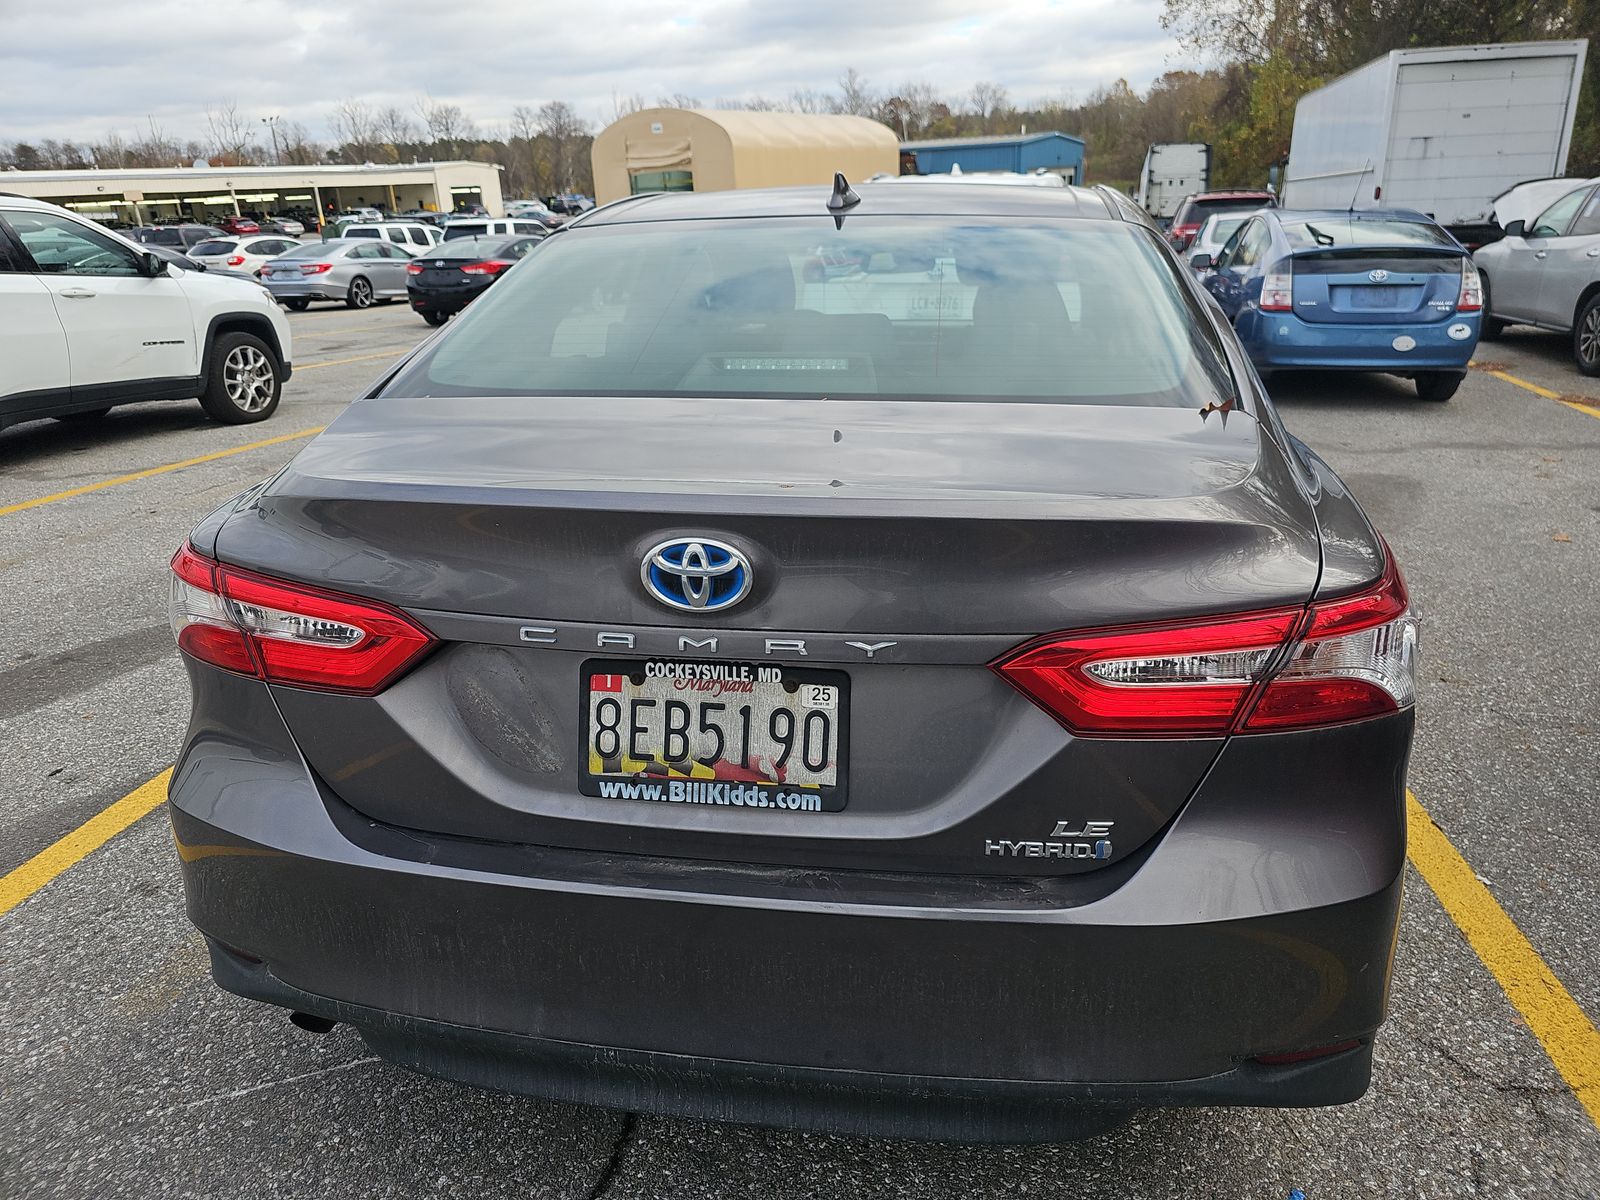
[680, 788]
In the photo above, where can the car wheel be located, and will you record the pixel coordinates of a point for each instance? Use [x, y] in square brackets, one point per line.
[88, 414]
[243, 382]
[1586, 337]
[298, 304]
[1438, 385]
[360, 293]
[435, 318]
[1490, 327]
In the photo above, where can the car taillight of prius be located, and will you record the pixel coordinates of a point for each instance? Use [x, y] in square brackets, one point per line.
[1277, 291]
[1335, 661]
[1471, 296]
[289, 633]
[492, 267]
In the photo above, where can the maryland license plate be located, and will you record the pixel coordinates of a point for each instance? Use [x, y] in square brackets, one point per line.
[721, 734]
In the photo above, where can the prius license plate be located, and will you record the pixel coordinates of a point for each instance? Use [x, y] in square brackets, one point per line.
[734, 735]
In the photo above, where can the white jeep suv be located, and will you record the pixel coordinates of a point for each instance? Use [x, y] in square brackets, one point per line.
[89, 320]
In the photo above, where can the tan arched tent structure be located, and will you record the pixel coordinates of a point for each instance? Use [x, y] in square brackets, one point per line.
[707, 150]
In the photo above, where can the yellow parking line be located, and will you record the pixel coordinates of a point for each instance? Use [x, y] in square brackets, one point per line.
[161, 470]
[1589, 409]
[99, 829]
[1563, 1029]
[339, 362]
[134, 476]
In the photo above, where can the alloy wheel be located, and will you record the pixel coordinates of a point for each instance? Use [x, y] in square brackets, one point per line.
[1589, 336]
[248, 376]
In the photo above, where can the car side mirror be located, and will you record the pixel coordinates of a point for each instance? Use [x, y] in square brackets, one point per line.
[1203, 262]
[1516, 228]
[152, 266]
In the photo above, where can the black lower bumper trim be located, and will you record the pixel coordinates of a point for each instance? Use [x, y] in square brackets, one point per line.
[838, 1101]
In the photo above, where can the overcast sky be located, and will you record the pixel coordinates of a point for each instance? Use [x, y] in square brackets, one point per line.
[115, 62]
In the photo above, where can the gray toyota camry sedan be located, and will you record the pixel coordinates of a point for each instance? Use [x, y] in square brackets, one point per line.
[866, 660]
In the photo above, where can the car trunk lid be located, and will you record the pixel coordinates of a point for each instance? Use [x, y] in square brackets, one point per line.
[1375, 285]
[897, 549]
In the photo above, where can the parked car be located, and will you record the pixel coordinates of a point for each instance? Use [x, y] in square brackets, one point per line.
[182, 237]
[358, 271]
[426, 216]
[412, 236]
[572, 204]
[183, 262]
[593, 713]
[1193, 211]
[477, 227]
[90, 320]
[534, 210]
[239, 225]
[246, 254]
[284, 225]
[1367, 290]
[449, 277]
[1547, 273]
[1214, 233]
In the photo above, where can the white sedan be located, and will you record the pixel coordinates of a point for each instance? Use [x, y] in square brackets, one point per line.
[244, 254]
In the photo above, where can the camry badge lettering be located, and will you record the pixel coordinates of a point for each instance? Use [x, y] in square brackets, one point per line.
[696, 574]
[625, 640]
[689, 643]
[786, 646]
[542, 634]
[871, 648]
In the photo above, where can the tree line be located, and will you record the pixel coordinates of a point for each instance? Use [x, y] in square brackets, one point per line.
[1256, 59]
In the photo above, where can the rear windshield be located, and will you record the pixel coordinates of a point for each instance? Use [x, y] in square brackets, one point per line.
[1199, 210]
[1221, 231]
[469, 248]
[1332, 232]
[368, 232]
[311, 250]
[170, 236]
[465, 229]
[214, 248]
[907, 307]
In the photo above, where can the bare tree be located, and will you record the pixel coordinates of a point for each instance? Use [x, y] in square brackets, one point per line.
[855, 97]
[446, 126]
[568, 137]
[805, 100]
[355, 128]
[231, 135]
[679, 100]
[621, 106]
[295, 146]
[392, 128]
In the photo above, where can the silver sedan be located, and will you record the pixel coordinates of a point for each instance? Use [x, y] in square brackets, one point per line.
[1546, 272]
[358, 271]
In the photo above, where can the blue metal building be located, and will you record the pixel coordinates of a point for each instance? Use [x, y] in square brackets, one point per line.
[1059, 153]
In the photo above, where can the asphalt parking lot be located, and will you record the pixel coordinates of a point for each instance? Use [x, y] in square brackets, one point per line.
[125, 1072]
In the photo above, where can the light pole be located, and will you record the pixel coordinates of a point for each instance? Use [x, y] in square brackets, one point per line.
[272, 125]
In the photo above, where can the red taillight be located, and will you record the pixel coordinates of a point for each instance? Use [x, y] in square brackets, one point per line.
[1471, 296]
[413, 268]
[1352, 657]
[287, 632]
[235, 260]
[315, 268]
[1277, 292]
[1298, 1056]
[492, 267]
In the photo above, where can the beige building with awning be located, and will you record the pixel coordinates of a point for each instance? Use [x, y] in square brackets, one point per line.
[709, 150]
[140, 194]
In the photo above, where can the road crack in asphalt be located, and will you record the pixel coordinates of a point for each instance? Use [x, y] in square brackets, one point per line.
[630, 1125]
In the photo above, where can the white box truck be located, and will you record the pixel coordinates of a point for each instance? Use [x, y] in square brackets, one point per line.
[1442, 131]
[1172, 170]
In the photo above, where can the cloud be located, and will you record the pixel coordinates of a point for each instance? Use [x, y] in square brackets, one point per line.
[169, 61]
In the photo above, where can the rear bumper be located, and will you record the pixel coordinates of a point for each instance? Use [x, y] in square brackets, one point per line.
[1284, 341]
[304, 289]
[937, 1007]
[452, 301]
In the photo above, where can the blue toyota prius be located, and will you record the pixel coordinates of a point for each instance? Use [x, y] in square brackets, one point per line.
[1376, 290]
